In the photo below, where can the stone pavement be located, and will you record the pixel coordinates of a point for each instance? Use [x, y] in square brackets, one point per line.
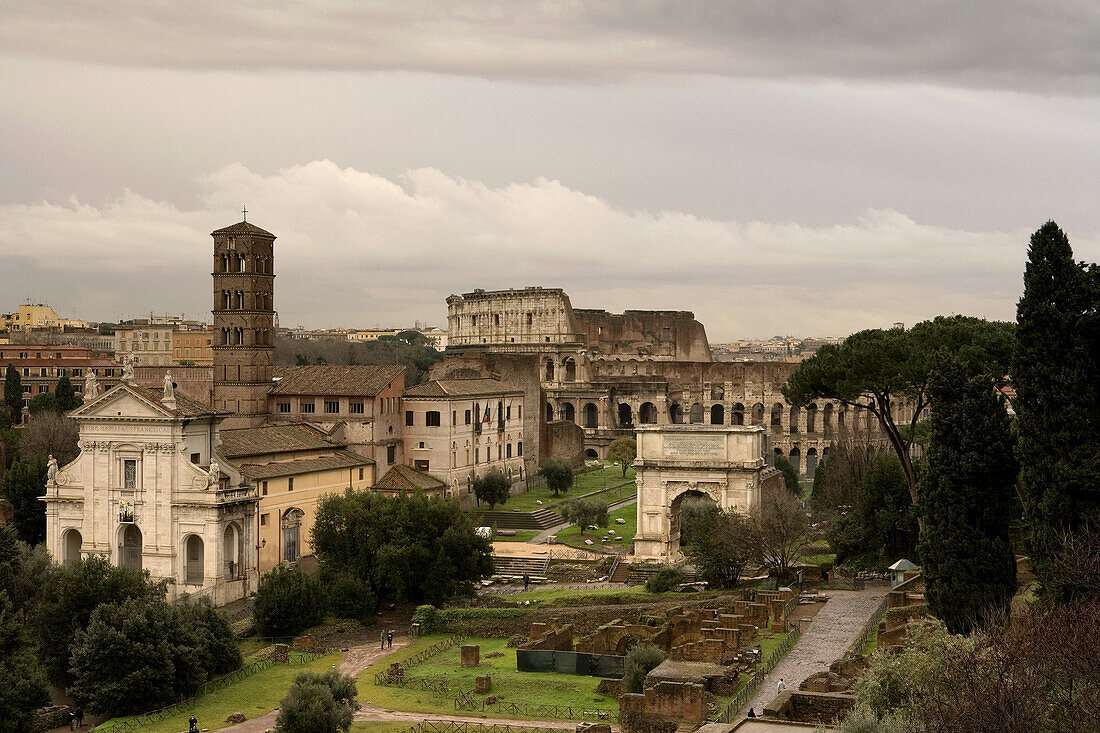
[832, 631]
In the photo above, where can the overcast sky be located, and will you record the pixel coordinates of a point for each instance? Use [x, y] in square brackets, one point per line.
[796, 167]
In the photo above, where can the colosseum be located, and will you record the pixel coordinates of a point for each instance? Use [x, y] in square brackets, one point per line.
[611, 372]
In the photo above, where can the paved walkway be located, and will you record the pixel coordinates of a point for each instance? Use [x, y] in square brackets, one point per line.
[831, 632]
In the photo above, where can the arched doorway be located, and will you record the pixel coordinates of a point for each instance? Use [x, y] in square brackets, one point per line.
[647, 414]
[70, 547]
[591, 415]
[777, 417]
[568, 412]
[811, 461]
[675, 414]
[626, 416]
[811, 419]
[130, 547]
[292, 530]
[758, 414]
[591, 455]
[717, 414]
[796, 461]
[193, 560]
[795, 414]
[695, 417]
[676, 517]
[737, 414]
[549, 412]
[231, 548]
[827, 419]
[570, 370]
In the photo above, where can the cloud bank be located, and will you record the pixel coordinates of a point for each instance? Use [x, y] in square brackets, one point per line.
[1037, 45]
[356, 249]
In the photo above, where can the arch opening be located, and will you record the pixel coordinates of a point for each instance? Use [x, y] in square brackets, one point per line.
[568, 412]
[70, 545]
[193, 560]
[647, 414]
[591, 415]
[695, 417]
[626, 415]
[717, 414]
[130, 547]
[675, 414]
[292, 529]
[231, 549]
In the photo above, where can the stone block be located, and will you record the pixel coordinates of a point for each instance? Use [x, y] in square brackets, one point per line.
[281, 654]
[483, 684]
[235, 718]
[471, 655]
[593, 727]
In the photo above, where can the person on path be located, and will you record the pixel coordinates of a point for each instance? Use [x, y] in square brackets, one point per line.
[193, 725]
[383, 637]
[389, 638]
[80, 717]
[72, 720]
[751, 714]
[780, 686]
[526, 581]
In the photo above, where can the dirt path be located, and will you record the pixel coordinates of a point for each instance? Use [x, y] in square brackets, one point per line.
[832, 631]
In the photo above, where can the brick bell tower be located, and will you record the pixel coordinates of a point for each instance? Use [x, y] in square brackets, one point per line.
[244, 322]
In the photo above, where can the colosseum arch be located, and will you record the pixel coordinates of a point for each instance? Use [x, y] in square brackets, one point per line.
[647, 414]
[758, 413]
[717, 414]
[737, 414]
[591, 415]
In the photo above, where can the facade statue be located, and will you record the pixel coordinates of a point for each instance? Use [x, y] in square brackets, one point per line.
[91, 387]
[215, 475]
[169, 387]
[51, 470]
[128, 369]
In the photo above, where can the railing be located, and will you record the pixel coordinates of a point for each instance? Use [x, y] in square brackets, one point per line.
[139, 721]
[466, 702]
[741, 699]
[383, 678]
[455, 726]
[871, 625]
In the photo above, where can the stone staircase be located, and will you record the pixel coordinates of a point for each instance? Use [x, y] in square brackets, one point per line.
[516, 566]
[537, 520]
[638, 573]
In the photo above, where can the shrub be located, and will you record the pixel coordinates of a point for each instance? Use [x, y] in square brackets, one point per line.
[493, 488]
[287, 602]
[663, 580]
[558, 474]
[349, 597]
[639, 661]
[317, 703]
[429, 619]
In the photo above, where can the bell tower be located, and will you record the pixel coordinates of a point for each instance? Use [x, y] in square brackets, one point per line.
[244, 322]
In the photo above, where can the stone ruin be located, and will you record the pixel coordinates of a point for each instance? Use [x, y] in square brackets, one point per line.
[550, 637]
[663, 707]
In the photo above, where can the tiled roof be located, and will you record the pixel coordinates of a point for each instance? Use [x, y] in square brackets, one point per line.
[185, 406]
[461, 388]
[406, 478]
[241, 442]
[340, 459]
[243, 227]
[335, 381]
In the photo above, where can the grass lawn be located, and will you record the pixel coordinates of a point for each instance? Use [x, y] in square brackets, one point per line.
[572, 536]
[534, 688]
[585, 483]
[522, 535]
[255, 695]
[596, 596]
[380, 726]
[248, 646]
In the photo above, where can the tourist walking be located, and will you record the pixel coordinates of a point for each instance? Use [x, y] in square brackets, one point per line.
[383, 637]
[780, 686]
[80, 717]
[193, 725]
[389, 638]
[72, 720]
[526, 581]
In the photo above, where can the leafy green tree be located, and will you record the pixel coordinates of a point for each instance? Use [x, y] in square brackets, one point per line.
[779, 529]
[790, 473]
[639, 662]
[13, 396]
[43, 402]
[882, 520]
[558, 473]
[71, 596]
[24, 683]
[213, 636]
[872, 369]
[66, 396]
[493, 488]
[968, 564]
[1056, 374]
[664, 580]
[22, 484]
[318, 703]
[696, 517]
[407, 548]
[623, 451]
[349, 596]
[721, 547]
[585, 513]
[287, 602]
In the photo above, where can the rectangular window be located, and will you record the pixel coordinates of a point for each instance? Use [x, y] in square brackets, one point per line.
[454, 417]
[332, 406]
[431, 419]
[520, 413]
[355, 408]
[420, 465]
[308, 407]
[78, 372]
[519, 448]
[467, 417]
[43, 388]
[27, 389]
[129, 474]
[409, 417]
[42, 372]
[477, 455]
[360, 474]
[499, 449]
[283, 406]
[509, 451]
[508, 412]
[290, 484]
[391, 452]
[264, 492]
[194, 457]
[263, 517]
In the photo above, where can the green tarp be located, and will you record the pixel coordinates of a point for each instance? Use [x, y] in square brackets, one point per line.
[596, 665]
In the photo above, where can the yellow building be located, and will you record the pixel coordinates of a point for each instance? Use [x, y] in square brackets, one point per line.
[292, 468]
[39, 316]
[193, 345]
[148, 345]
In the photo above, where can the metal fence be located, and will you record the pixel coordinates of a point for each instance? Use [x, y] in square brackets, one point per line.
[741, 699]
[466, 701]
[139, 721]
[383, 678]
[457, 726]
[871, 625]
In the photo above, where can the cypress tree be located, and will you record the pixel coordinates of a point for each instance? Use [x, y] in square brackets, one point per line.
[1057, 378]
[66, 396]
[966, 492]
[13, 395]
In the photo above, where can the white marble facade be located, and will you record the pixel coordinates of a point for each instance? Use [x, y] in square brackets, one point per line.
[141, 495]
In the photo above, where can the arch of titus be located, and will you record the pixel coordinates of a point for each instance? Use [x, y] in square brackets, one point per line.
[728, 463]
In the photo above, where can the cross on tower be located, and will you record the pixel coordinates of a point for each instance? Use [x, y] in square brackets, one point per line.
[244, 212]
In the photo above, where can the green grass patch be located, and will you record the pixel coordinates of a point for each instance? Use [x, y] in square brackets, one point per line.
[381, 726]
[572, 535]
[523, 688]
[567, 597]
[255, 695]
[250, 646]
[585, 483]
[826, 558]
[452, 614]
[871, 644]
[522, 535]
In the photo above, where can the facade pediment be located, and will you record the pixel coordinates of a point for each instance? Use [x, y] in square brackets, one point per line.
[120, 402]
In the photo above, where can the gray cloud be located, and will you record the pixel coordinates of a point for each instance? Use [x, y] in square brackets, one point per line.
[359, 249]
[1043, 45]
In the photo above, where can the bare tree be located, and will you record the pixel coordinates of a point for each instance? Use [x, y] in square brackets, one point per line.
[780, 529]
[50, 433]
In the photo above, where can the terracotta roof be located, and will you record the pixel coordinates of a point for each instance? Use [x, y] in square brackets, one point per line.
[240, 442]
[243, 227]
[339, 459]
[185, 406]
[406, 478]
[461, 388]
[335, 381]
